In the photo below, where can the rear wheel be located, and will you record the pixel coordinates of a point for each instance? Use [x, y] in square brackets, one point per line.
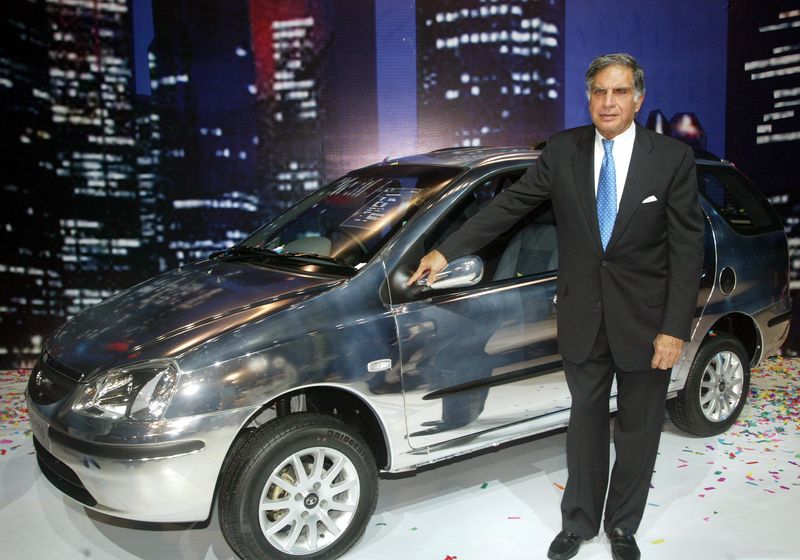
[304, 486]
[716, 388]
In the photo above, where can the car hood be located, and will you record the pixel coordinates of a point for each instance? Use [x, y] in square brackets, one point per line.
[174, 312]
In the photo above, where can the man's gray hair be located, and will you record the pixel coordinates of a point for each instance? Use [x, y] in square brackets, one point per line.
[616, 59]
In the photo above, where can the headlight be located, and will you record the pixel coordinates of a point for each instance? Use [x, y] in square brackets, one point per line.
[140, 392]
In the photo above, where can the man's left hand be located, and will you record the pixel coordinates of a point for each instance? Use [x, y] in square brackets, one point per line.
[667, 350]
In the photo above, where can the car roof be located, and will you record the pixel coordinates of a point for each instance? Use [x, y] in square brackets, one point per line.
[469, 157]
[466, 157]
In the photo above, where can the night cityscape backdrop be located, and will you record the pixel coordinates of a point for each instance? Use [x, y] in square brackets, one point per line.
[139, 135]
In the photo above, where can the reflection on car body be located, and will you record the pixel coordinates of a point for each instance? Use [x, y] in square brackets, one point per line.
[283, 374]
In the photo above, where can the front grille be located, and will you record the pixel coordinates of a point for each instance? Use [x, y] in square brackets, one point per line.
[61, 476]
[51, 381]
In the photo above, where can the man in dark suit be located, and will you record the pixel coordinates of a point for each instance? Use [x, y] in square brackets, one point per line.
[630, 237]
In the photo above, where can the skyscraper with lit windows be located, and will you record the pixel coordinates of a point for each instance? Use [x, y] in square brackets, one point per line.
[317, 91]
[203, 92]
[32, 299]
[288, 41]
[763, 115]
[489, 72]
[91, 89]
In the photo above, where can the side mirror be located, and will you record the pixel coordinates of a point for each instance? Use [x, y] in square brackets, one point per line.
[459, 273]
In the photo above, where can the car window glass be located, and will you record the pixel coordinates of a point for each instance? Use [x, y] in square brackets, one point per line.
[351, 218]
[528, 248]
[737, 201]
[532, 248]
[468, 207]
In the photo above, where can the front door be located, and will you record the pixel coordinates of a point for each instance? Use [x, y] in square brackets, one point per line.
[482, 358]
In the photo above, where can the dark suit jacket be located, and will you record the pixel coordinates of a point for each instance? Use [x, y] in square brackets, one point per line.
[647, 280]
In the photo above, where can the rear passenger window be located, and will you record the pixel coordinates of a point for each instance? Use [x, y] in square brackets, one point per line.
[737, 200]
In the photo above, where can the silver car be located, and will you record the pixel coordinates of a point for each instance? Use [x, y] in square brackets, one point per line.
[280, 377]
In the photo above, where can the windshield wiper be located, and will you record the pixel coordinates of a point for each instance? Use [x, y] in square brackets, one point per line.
[244, 250]
[316, 257]
[261, 252]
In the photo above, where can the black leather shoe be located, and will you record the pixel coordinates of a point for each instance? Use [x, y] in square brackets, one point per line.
[623, 545]
[565, 545]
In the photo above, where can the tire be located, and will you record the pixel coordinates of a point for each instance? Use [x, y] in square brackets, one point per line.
[303, 487]
[716, 388]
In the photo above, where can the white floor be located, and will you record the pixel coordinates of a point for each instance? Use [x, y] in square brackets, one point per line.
[733, 496]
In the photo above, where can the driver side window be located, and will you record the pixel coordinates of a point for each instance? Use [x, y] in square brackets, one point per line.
[529, 248]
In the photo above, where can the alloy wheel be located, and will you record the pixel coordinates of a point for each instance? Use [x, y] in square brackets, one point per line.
[309, 500]
[721, 386]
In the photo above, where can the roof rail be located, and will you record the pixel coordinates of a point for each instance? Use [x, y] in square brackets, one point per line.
[451, 148]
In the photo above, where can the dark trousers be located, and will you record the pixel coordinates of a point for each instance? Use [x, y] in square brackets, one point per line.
[641, 397]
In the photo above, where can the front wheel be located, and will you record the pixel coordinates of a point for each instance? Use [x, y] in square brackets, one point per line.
[304, 486]
[716, 388]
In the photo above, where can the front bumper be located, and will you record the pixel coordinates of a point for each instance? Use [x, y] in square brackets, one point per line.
[171, 477]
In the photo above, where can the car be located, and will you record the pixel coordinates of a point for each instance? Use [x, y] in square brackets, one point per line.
[280, 377]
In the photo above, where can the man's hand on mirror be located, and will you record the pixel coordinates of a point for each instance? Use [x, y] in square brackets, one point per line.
[432, 263]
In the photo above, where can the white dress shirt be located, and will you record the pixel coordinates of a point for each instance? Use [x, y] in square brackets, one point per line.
[622, 150]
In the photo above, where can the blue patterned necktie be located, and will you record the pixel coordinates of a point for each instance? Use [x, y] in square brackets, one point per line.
[607, 194]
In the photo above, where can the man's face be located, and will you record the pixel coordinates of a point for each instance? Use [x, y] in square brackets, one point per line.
[612, 102]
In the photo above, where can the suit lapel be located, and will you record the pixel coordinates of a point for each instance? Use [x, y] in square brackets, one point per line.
[636, 183]
[583, 168]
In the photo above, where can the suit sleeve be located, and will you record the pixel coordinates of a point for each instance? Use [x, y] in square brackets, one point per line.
[685, 230]
[503, 211]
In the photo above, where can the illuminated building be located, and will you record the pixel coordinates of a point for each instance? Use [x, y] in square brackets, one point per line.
[763, 119]
[489, 72]
[316, 84]
[95, 148]
[763, 116]
[152, 202]
[81, 222]
[31, 302]
[287, 41]
[203, 92]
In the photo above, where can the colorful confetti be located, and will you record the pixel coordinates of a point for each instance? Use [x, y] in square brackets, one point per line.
[14, 427]
[759, 453]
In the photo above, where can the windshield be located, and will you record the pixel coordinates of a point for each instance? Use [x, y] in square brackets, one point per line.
[349, 220]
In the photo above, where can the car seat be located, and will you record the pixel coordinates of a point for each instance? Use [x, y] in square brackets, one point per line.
[533, 249]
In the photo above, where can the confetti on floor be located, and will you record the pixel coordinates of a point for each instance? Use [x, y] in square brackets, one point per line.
[14, 427]
[759, 451]
[770, 425]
